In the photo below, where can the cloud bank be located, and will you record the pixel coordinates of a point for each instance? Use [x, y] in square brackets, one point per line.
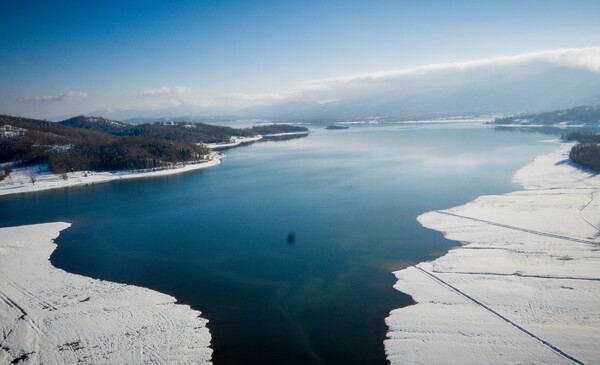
[68, 96]
[165, 96]
[587, 58]
[165, 91]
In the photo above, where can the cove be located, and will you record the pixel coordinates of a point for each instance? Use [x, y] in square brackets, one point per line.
[217, 239]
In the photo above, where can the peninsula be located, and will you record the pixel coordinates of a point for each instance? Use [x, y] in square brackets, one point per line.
[39, 155]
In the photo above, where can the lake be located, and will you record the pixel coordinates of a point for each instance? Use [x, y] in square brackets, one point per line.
[287, 247]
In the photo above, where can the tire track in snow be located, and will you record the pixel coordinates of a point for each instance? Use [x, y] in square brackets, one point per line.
[7, 300]
[505, 319]
[539, 233]
[586, 206]
[517, 274]
[27, 294]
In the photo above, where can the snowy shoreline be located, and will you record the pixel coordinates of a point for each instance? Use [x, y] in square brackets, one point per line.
[19, 181]
[53, 317]
[235, 141]
[524, 287]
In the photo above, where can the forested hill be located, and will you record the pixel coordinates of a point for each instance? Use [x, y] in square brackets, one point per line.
[96, 123]
[582, 115]
[88, 143]
[177, 131]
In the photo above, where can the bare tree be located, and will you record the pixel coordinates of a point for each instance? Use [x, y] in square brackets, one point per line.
[32, 179]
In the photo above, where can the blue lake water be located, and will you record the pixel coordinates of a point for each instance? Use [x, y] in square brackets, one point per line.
[217, 239]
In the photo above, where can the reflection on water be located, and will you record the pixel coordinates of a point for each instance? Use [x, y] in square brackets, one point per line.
[287, 247]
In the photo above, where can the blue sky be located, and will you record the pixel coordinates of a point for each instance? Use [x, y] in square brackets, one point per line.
[61, 58]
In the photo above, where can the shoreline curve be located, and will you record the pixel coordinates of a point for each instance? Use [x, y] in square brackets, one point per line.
[19, 181]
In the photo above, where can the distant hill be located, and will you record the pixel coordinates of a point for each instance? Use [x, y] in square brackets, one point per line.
[500, 89]
[181, 112]
[194, 119]
[95, 123]
[182, 131]
[581, 116]
[499, 92]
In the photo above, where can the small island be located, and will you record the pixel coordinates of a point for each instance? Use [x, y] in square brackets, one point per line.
[336, 127]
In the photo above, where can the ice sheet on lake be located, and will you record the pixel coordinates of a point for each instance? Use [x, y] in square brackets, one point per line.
[525, 286]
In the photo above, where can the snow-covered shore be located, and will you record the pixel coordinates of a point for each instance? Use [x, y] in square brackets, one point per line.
[19, 181]
[52, 317]
[234, 141]
[525, 286]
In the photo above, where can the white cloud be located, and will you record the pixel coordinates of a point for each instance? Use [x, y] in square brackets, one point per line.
[173, 97]
[588, 58]
[251, 98]
[161, 91]
[68, 96]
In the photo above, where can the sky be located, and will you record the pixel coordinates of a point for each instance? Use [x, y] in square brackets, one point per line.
[70, 57]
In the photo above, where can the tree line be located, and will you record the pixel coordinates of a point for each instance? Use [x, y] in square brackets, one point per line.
[587, 152]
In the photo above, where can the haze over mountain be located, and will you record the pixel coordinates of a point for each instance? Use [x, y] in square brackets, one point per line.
[523, 83]
[474, 87]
